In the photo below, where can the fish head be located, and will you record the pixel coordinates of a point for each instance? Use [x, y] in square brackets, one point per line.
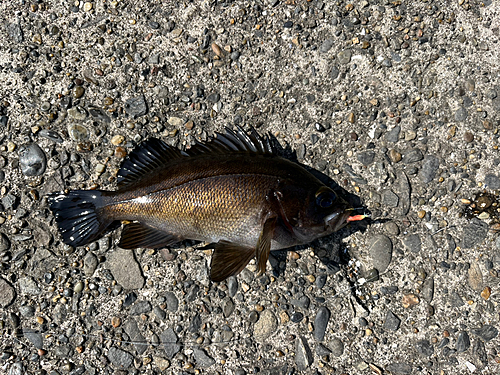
[314, 212]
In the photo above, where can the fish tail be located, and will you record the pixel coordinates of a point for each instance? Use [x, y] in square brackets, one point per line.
[79, 215]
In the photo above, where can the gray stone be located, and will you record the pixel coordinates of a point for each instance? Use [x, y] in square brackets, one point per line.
[228, 307]
[486, 332]
[412, 156]
[456, 300]
[399, 368]
[232, 286]
[120, 358]
[326, 45]
[463, 342]
[169, 340]
[380, 249]
[393, 134]
[32, 160]
[265, 326]
[429, 169]
[391, 322]
[202, 358]
[172, 301]
[140, 307]
[136, 107]
[389, 198]
[132, 330]
[29, 286]
[413, 243]
[15, 32]
[16, 369]
[34, 337]
[63, 351]
[4, 242]
[366, 157]
[344, 57]
[213, 98]
[303, 354]
[322, 350]
[78, 113]
[428, 289]
[159, 312]
[302, 302]
[424, 347]
[492, 181]
[90, 264]
[461, 114]
[125, 269]
[321, 322]
[337, 347]
[334, 72]
[7, 293]
[474, 233]
[99, 115]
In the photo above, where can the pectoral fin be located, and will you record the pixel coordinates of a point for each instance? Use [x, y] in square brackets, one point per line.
[229, 259]
[136, 235]
[264, 244]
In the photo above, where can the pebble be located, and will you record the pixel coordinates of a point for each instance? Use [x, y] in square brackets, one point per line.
[486, 332]
[391, 322]
[90, 264]
[412, 155]
[428, 289]
[34, 337]
[120, 358]
[133, 332]
[29, 286]
[32, 160]
[321, 323]
[78, 133]
[175, 121]
[78, 113]
[7, 293]
[140, 307]
[303, 354]
[125, 269]
[232, 286]
[265, 326]
[429, 169]
[169, 340]
[463, 342]
[344, 57]
[78, 92]
[99, 114]
[393, 134]
[366, 157]
[162, 363]
[461, 114]
[136, 107]
[474, 233]
[4, 242]
[172, 301]
[395, 156]
[326, 45]
[389, 198]
[424, 347]
[202, 358]
[492, 181]
[50, 135]
[380, 248]
[398, 368]
[475, 277]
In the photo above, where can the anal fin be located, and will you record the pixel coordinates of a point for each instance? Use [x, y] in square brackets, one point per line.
[136, 235]
[229, 259]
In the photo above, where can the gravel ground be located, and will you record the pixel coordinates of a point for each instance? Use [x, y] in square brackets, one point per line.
[396, 101]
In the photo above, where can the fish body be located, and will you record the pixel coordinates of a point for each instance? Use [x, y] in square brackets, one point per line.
[232, 192]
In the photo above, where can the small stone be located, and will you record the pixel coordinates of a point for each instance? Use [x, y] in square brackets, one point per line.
[429, 169]
[461, 114]
[463, 342]
[78, 113]
[486, 293]
[169, 340]
[140, 307]
[172, 301]
[87, 7]
[391, 322]
[34, 337]
[409, 300]
[399, 368]
[32, 160]
[28, 286]
[395, 156]
[136, 107]
[468, 137]
[162, 363]
[380, 249]
[90, 264]
[474, 233]
[366, 157]
[120, 358]
[393, 134]
[344, 57]
[303, 354]
[389, 198]
[116, 321]
[412, 156]
[326, 45]
[424, 347]
[421, 214]
[321, 323]
[117, 140]
[125, 269]
[475, 277]
[486, 332]
[78, 92]
[78, 133]
[351, 118]
[7, 293]
[202, 358]
[217, 50]
[4, 242]
[228, 308]
[266, 325]
[175, 121]
[492, 181]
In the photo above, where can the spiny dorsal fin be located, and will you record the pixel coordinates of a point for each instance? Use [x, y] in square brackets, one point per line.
[148, 157]
[233, 141]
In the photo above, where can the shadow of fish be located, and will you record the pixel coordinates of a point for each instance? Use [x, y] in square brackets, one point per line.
[232, 192]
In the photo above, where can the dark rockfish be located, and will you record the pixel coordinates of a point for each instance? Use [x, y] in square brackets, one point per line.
[232, 192]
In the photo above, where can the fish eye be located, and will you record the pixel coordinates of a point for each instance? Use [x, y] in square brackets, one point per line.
[325, 199]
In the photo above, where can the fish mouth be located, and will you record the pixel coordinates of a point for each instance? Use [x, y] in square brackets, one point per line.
[337, 220]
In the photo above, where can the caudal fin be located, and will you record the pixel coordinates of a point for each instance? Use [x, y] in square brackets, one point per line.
[79, 215]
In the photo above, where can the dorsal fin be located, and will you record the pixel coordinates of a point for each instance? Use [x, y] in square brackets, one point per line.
[233, 141]
[148, 157]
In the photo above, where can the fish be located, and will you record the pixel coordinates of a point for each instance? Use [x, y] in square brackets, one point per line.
[233, 192]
